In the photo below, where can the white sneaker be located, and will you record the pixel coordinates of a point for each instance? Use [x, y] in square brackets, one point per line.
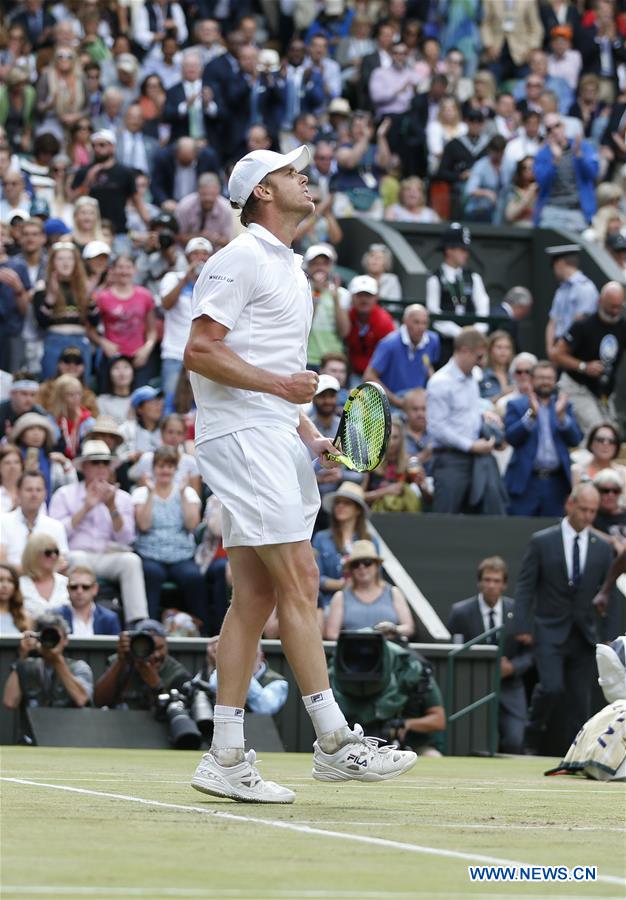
[241, 782]
[362, 759]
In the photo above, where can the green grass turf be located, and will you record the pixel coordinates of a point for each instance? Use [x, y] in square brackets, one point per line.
[66, 842]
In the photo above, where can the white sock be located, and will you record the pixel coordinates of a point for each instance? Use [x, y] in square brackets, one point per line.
[326, 717]
[228, 735]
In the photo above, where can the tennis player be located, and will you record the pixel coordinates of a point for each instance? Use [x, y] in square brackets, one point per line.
[252, 311]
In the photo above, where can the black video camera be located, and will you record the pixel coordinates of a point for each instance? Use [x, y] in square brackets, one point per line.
[48, 637]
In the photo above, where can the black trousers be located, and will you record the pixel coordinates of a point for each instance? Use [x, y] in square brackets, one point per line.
[566, 673]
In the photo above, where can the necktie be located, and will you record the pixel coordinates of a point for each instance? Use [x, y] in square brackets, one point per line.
[576, 562]
[492, 624]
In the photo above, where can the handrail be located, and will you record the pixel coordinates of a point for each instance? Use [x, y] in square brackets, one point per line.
[493, 697]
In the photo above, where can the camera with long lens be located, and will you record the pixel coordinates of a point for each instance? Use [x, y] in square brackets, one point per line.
[166, 239]
[188, 713]
[48, 637]
[142, 644]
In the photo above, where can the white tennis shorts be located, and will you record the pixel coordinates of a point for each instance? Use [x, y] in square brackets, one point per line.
[266, 483]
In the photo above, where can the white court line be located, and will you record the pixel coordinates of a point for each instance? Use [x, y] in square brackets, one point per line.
[90, 891]
[302, 829]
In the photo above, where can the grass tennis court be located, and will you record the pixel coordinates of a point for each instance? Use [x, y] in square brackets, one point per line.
[398, 839]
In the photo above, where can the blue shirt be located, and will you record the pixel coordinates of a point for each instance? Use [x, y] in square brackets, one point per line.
[400, 365]
[453, 408]
[547, 457]
[578, 296]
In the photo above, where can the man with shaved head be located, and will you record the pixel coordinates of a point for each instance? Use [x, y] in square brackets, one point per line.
[405, 359]
[562, 570]
[589, 354]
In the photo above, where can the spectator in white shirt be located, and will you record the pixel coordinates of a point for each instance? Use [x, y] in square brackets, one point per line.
[175, 290]
[151, 23]
[526, 143]
[29, 518]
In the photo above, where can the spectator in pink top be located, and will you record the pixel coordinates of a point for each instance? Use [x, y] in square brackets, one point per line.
[127, 313]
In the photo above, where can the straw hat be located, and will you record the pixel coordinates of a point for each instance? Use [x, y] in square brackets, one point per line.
[350, 491]
[363, 550]
[95, 451]
[106, 425]
[34, 420]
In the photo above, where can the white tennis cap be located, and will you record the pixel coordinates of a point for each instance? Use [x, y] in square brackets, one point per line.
[316, 250]
[96, 248]
[327, 383]
[105, 134]
[198, 243]
[254, 166]
[363, 284]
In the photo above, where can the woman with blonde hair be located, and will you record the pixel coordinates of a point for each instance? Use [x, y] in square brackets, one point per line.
[449, 124]
[73, 419]
[14, 619]
[366, 600]
[87, 222]
[608, 220]
[63, 308]
[60, 202]
[61, 92]
[377, 261]
[42, 587]
[411, 205]
[387, 488]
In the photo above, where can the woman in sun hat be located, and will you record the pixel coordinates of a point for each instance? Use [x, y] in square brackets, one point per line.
[367, 601]
[348, 514]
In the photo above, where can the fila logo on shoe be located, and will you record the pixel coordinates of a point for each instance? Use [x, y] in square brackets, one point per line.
[358, 760]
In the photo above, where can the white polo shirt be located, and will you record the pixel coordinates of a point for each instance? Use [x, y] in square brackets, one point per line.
[256, 288]
[14, 533]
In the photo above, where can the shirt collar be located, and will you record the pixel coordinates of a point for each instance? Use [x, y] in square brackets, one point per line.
[570, 533]
[406, 340]
[456, 372]
[259, 231]
[484, 607]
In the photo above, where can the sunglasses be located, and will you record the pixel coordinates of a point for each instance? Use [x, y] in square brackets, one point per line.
[50, 553]
[72, 360]
[362, 562]
[65, 56]
[607, 490]
[80, 587]
[523, 372]
[605, 440]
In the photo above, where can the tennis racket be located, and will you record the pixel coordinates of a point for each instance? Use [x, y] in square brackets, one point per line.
[364, 428]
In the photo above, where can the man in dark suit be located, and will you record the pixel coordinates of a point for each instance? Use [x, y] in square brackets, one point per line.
[176, 170]
[563, 568]
[191, 107]
[540, 428]
[516, 305]
[84, 616]
[381, 56]
[474, 616]
[413, 150]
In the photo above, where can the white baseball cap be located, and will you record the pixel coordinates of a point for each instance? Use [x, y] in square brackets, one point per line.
[327, 383]
[363, 284]
[198, 243]
[316, 250]
[96, 248]
[253, 167]
[105, 134]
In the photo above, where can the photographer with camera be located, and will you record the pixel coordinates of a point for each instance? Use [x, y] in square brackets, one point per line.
[42, 674]
[160, 253]
[267, 691]
[389, 690]
[140, 670]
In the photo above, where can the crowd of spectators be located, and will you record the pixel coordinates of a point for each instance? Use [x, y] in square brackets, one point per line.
[119, 125]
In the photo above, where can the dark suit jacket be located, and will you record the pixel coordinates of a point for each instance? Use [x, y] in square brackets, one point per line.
[465, 619]
[164, 170]
[179, 121]
[105, 621]
[368, 64]
[546, 602]
[525, 442]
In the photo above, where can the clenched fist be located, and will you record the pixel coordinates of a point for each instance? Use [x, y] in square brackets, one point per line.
[299, 387]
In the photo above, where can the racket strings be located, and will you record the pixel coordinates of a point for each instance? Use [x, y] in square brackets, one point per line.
[363, 436]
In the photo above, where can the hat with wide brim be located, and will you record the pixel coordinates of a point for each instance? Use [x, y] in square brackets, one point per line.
[96, 451]
[362, 550]
[107, 425]
[348, 491]
[34, 420]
